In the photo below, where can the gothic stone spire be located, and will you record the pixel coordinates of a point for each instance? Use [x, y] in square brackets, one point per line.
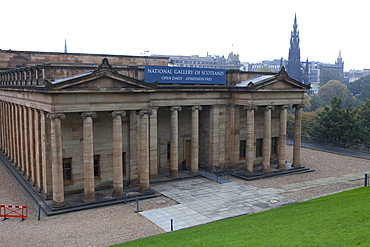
[294, 64]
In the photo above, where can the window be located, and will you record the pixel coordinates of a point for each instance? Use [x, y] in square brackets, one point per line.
[123, 163]
[242, 147]
[259, 143]
[168, 150]
[96, 166]
[274, 145]
[67, 169]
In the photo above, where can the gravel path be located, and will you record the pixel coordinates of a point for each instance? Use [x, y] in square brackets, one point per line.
[116, 224]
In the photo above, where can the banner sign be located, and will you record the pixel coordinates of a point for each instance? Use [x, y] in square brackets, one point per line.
[163, 74]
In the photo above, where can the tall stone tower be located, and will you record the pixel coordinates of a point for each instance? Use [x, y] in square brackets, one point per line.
[294, 67]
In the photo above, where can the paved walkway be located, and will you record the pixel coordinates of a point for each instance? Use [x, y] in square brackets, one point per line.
[203, 202]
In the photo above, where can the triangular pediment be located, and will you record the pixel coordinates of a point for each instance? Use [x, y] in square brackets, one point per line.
[103, 78]
[280, 81]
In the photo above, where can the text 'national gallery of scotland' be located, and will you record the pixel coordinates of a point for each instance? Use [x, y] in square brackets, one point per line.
[78, 123]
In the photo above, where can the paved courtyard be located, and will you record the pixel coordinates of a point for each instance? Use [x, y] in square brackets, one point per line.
[203, 202]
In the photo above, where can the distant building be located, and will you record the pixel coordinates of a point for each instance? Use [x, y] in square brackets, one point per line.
[274, 65]
[354, 75]
[196, 61]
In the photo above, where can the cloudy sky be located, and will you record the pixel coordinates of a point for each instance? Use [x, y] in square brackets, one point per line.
[256, 30]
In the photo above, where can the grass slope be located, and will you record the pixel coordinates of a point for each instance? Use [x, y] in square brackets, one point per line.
[341, 219]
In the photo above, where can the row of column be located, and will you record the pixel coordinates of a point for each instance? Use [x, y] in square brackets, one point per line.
[144, 151]
[22, 139]
[22, 76]
[266, 148]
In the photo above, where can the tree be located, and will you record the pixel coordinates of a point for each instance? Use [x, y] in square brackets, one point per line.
[361, 88]
[316, 102]
[334, 88]
[327, 74]
[364, 113]
[337, 126]
[307, 102]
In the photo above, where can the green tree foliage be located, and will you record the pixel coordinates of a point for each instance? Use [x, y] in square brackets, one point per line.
[316, 102]
[308, 122]
[341, 127]
[327, 74]
[361, 88]
[307, 103]
[364, 113]
[335, 88]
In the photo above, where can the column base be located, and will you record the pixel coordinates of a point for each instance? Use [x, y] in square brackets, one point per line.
[281, 165]
[118, 194]
[174, 174]
[144, 190]
[194, 173]
[89, 199]
[266, 170]
[296, 165]
[248, 173]
[58, 204]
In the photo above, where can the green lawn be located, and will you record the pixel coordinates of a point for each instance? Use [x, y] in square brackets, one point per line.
[341, 219]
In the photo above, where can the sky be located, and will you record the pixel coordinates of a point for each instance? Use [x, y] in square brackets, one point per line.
[256, 30]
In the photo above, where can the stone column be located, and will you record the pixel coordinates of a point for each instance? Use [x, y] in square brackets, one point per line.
[26, 143]
[17, 135]
[88, 148]
[297, 135]
[12, 133]
[43, 161]
[266, 151]
[144, 150]
[6, 132]
[282, 137]
[37, 150]
[174, 167]
[57, 165]
[250, 140]
[21, 140]
[153, 146]
[195, 138]
[134, 148]
[1, 125]
[32, 145]
[117, 153]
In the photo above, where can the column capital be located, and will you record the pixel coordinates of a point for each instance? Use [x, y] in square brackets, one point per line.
[269, 107]
[284, 107]
[298, 106]
[118, 113]
[174, 108]
[250, 108]
[144, 112]
[54, 115]
[92, 114]
[195, 107]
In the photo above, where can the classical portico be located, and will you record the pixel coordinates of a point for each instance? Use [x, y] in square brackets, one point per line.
[104, 130]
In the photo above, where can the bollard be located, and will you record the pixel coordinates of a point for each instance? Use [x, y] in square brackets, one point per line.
[137, 205]
[171, 225]
[125, 197]
[365, 181]
[39, 213]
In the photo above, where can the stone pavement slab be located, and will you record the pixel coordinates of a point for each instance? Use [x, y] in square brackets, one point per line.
[203, 202]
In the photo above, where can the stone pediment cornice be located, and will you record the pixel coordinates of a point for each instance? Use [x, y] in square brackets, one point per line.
[103, 77]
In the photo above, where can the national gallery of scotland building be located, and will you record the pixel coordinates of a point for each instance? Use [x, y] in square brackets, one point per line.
[78, 123]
